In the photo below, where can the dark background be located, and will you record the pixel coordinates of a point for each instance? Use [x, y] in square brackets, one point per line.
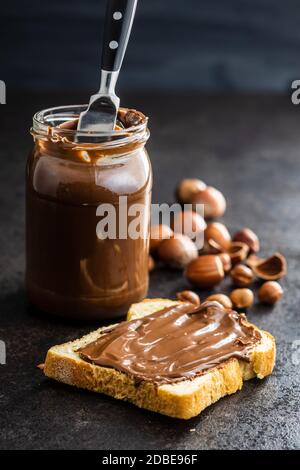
[211, 45]
[214, 78]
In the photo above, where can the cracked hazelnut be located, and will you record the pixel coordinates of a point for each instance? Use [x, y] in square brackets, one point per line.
[246, 235]
[187, 189]
[151, 264]
[241, 275]
[238, 252]
[270, 292]
[226, 260]
[270, 269]
[188, 296]
[205, 271]
[157, 234]
[178, 251]
[242, 298]
[217, 236]
[223, 299]
[189, 223]
[213, 200]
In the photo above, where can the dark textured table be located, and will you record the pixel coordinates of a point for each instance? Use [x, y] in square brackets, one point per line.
[248, 147]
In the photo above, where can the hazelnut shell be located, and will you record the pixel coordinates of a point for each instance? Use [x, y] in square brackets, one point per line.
[238, 252]
[226, 260]
[178, 251]
[270, 292]
[217, 236]
[188, 188]
[157, 234]
[241, 275]
[246, 235]
[151, 264]
[213, 200]
[188, 296]
[223, 299]
[242, 298]
[205, 271]
[270, 269]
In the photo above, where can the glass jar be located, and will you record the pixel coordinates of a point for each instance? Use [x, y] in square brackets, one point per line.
[71, 270]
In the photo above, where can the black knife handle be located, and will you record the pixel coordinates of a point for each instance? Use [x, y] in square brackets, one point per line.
[118, 22]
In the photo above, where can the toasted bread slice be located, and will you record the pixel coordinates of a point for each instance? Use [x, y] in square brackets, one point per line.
[183, 399]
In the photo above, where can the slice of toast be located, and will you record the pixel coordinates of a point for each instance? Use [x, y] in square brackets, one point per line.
[183, 399]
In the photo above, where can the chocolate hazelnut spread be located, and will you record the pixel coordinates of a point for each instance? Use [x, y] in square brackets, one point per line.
[70, 271]
[174, 344]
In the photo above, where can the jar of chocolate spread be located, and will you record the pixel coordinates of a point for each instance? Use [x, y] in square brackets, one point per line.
[82, 195]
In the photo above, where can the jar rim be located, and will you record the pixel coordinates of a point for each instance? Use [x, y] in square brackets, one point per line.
[49, 119]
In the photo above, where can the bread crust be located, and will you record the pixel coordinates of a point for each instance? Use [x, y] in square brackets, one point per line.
[184, 399]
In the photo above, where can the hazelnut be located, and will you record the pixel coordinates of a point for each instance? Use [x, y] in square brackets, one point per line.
[187, 188]
[270, 292]
[70, 125]
[241, 275]
[213, 200]
[151, 264]
[205, 271]
[246, 235]
[226, 260]
[217, 236]
[238, 252]
[223, 299]
[188, 296]
[157, 234]
[131, 117]
[189, 223]
[242, 298]
[178, 251]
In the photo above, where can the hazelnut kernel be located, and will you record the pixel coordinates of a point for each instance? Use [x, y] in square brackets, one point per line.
[242, 298]
[157, 234]
[178, 251]
[187, 188]
[241, 275]
[205, 271]
[270, 292]
[188, 296]
[223, 299]
[246, 235]
[213, 200]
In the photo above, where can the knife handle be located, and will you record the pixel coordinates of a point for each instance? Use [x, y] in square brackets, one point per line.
[118, 22]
